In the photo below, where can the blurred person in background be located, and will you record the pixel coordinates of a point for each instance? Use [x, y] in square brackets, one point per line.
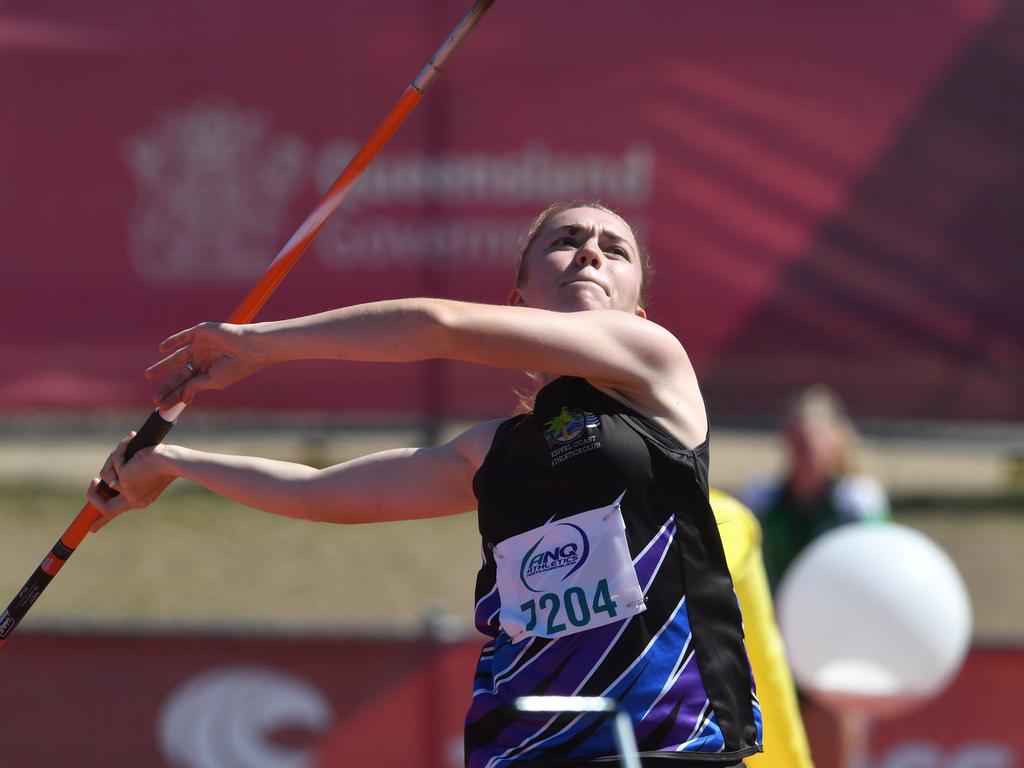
[603, 569]
[822, 487]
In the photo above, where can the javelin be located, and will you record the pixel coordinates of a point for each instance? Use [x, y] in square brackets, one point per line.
[160, 422]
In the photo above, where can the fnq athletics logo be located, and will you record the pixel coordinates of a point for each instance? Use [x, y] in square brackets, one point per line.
[563, 555]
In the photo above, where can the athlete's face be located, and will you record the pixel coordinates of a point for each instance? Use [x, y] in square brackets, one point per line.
[583, 258]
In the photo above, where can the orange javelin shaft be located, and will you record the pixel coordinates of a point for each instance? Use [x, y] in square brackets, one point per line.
[298, 243]
[287, 258]
[160, 423]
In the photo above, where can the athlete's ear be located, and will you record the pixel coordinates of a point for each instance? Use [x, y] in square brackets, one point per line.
[516, 298]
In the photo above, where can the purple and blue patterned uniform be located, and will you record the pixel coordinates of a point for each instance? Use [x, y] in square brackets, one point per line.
[679, 668]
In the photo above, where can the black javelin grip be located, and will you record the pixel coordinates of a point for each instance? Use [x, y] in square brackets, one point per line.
[152, 432]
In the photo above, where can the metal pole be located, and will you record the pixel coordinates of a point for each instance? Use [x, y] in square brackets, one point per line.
[625, 738]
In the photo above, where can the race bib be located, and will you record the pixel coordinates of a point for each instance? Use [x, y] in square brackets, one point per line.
[567, 576]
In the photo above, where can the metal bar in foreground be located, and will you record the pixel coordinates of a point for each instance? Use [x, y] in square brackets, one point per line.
[625, 738]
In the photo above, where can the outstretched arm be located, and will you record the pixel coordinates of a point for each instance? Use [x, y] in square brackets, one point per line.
[398, 484]
[610, 348]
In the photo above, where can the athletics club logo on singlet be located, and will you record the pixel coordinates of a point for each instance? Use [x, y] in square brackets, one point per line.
[565, 554]
[570, 434]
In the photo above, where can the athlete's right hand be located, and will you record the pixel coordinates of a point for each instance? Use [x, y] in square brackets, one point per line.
[206, 356]
[138, 482]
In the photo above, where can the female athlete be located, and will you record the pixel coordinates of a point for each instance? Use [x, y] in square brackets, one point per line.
[603, 573]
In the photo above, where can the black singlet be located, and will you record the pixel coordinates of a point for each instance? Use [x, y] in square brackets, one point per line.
[679, 668]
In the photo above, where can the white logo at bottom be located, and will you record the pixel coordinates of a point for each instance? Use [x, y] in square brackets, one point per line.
[222, 719]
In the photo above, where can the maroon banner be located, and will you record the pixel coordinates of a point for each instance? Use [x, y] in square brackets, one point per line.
[830, 191]
[188, 701]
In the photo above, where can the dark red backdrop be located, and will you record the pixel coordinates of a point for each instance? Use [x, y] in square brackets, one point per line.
[188, 701]
[831, 190]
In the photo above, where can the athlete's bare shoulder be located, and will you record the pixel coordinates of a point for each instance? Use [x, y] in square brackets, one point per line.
[475, 442]
[664, 386]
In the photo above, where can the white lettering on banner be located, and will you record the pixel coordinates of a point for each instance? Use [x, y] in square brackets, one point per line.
[216, 191]
[528, 176]
[225, 718]
[926, 754]
[526, 180]
[380, 242]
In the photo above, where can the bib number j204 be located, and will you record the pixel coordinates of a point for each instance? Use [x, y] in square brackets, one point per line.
[573, 604]
[570, 575]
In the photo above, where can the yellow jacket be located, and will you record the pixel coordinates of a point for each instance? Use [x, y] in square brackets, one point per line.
[785, 741]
